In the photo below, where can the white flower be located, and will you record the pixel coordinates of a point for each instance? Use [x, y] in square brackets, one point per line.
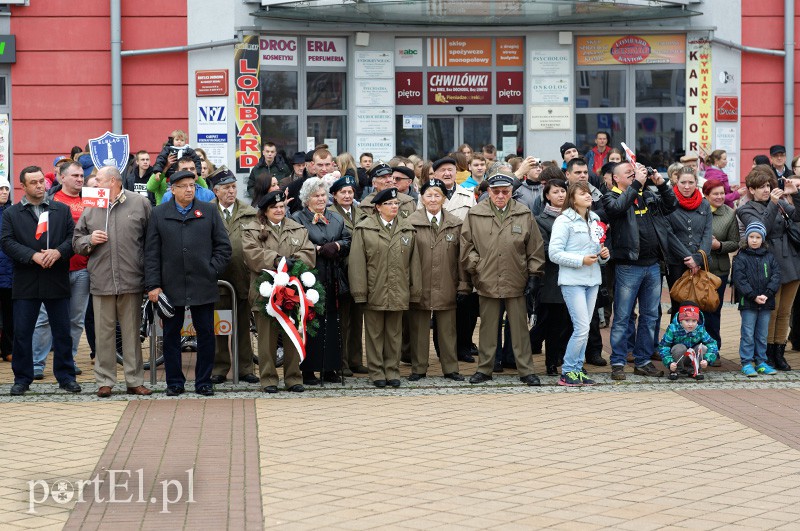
[270, 311]
[312, 296]
[281, 279]
[265, 289]
[308, 279]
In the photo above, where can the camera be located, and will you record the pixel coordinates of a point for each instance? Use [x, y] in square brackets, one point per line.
[650, 171]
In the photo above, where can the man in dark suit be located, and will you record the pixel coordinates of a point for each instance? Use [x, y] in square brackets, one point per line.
[186, 250]
[37, 236]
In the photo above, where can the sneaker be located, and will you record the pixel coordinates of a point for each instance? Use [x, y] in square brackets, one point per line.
[763, 368]
[750, 371]
[648, 370]
[617, 372]
[585, 380]
[571, 379]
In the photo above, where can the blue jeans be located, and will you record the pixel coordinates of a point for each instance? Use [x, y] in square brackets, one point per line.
[25, 312]
[580, 304]
[203, 321]
[753, 345]
[43, 338]
[642, 283]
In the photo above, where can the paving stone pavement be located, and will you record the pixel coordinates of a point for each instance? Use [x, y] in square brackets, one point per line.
[641, 454]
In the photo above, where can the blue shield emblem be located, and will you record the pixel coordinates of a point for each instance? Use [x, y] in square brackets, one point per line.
[110, 150]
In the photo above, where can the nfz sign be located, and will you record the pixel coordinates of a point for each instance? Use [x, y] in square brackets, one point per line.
[8, 49]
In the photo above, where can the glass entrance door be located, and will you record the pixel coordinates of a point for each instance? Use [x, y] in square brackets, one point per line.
[446, 133]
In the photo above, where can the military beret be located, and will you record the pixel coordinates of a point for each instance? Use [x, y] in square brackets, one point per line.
[434, 183]
[347, 180]
[385, 195]
[270, 199]
[442, 162]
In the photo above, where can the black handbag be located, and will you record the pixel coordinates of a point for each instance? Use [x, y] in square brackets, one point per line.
[791, 229]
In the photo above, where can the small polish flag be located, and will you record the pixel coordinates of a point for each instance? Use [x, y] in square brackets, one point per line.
[41, 228]
[628, 153]
[95, 197]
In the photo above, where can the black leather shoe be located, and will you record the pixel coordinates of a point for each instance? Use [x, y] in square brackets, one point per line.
[174, 390]
[394, 383]
[311, 379]
[552, 370]
[218, 379]
[359, 369]
[71, 386]
[271, 389]
[248, 378]
[18, 389]
[205, 390]
[454, 376]
[596, 360]
[473, 349]
[415, 377]
[531, 380]
[380, 384]
[331, 377]
[479, 377]
[296, 388]
[347, 372]
[466, 357]
[498, 368]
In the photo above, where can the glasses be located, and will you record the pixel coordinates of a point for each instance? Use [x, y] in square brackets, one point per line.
[392, 203]
[500, 192]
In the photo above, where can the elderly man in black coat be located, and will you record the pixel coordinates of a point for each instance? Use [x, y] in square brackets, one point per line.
[187, 248]
[37, 236]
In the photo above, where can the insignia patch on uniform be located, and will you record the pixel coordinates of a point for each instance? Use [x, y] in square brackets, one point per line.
[403, 214]
[295, 241]
[406, 240]
[516, 229]
[450, 237]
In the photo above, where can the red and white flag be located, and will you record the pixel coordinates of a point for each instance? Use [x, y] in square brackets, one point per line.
[95, 197]
[41, 228]
[628, 153]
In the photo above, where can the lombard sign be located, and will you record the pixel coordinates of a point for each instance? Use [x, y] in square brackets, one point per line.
[278, 51]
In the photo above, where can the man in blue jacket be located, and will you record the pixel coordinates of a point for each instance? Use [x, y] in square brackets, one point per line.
[37, 236]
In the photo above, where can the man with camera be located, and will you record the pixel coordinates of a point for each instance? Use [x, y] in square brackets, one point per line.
[638, 238]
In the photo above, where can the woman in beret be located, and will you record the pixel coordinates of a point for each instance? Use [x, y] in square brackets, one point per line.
[384, 273]
[264, 242]
[331, 239]
[437, 243]
[351, 315]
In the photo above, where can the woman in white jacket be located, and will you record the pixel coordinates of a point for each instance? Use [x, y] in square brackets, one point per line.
[575, 246]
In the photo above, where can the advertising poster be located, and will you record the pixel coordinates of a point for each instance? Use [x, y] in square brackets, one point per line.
[509, 51]
[248, 99]
[630, 49]
[699, 107]
[408, 88]
[326, 51]
[374, 65]
[509, 88]
[278, 50]
[459, 88]
[212, 129]
[408, 52]
[449, 51]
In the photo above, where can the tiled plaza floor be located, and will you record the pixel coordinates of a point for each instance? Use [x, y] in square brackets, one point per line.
[643, 454]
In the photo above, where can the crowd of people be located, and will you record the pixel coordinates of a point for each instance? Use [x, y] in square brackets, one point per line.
[544, 252]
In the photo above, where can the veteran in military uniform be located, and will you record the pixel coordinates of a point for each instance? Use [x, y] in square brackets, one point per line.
[382, 179]
[264, 242]
[384, 273]
[502, 251]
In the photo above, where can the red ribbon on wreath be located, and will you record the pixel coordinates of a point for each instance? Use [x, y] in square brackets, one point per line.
[288, 298]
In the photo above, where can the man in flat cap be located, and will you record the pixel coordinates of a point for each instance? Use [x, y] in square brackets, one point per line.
[236, 214]
[186, 250]
[777, 159]
[382, 179]
[502, 250]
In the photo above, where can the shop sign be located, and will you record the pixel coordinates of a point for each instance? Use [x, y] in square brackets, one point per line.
[408, 52]
[459, 88]
[544, 118]
[278, 51]
[550, 63]
[211, 83]
[248, 101]
[374, 120]
[550, 90]
[630, 49]
[326, 51]
[374, 92]
[509, 88]
[408, 88]
[509, 51]
[698, 94]
[727, 108]
[212, 128]
[374, 65]
[446, 51]
[381, 147]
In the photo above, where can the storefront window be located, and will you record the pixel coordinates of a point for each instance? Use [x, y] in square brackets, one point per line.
[658, 137]
[600, 88]
[282, 130]
[325, 91]
[409, 139]
[661, 88]
[278, 90]
[327, 128]
[509, 134]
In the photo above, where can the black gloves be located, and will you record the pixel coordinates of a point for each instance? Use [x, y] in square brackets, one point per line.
[461, 297]
[329, 250]
[290, 263]
[532, 288]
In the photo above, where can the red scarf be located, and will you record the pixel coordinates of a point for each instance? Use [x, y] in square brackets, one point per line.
[688, 203]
